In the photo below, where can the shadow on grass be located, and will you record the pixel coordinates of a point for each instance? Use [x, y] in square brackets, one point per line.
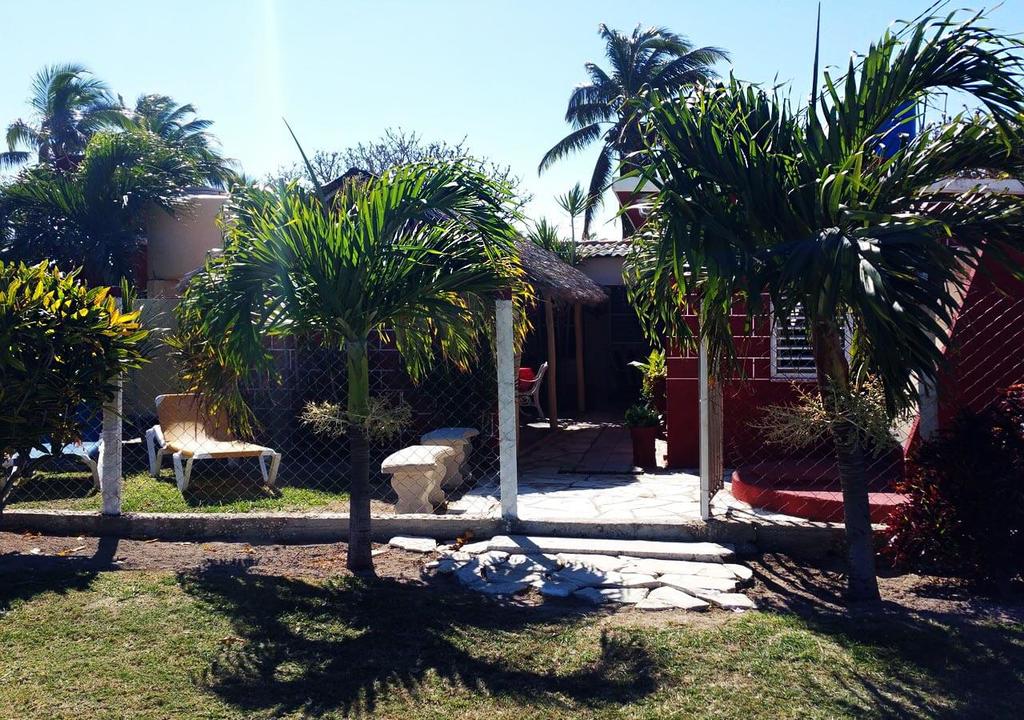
[350, 643]
[60, 482]
[48, 573]
[940, 663]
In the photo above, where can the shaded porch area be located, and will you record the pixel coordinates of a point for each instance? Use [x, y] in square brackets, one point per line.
[583, 473]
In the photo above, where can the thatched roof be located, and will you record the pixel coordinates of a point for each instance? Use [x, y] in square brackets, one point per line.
[555, 279]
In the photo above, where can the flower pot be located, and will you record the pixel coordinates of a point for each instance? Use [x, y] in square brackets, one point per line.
[643, 446]
[659, 395]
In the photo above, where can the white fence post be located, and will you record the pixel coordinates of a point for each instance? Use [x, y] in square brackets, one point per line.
[507, 431]
[110, 455]
[705, 432]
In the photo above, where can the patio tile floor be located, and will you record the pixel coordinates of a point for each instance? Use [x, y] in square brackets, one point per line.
[584, 473]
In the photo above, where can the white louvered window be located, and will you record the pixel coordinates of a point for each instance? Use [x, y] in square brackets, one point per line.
[792, 356]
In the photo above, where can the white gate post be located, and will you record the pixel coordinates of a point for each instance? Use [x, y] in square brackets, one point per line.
[507, 430]
[110, 455]
[705, 432]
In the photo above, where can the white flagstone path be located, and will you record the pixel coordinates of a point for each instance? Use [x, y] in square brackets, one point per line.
[648, 574]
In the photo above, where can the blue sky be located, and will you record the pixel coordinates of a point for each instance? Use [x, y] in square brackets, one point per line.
[498, 73]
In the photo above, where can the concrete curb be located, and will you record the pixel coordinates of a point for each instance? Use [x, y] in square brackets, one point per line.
[264, 528]
[243, 527]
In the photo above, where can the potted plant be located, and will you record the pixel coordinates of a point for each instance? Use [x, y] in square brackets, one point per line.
[655, 372]
[643, 422]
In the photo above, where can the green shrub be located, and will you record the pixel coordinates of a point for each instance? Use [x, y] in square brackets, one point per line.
[641, 415]
[64, 345]
[965, 488]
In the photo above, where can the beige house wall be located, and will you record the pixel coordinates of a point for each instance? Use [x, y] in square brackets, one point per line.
[180, 244]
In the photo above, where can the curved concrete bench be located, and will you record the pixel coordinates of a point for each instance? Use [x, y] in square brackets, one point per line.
[459, 439]
[417, 473]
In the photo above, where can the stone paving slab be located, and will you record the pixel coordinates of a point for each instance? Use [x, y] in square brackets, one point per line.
[698, 551]
[655, 566]
[599, 596]
[728, 601]
[690, 583]
[667, 598]
[413, 544]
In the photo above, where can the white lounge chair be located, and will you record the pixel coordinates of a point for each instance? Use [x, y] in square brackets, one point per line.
[188, 432]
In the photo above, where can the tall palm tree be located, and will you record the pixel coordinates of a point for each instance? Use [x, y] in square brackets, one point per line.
[93, 215]
[756, 199]
[180, 126]
[68, 105]
[417, 251]
[607, 108]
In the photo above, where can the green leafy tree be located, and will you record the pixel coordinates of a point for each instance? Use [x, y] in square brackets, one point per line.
[66, 345]
[93, 215]
[758, 199]
[68, 106]
[608, 108]
[416, 252]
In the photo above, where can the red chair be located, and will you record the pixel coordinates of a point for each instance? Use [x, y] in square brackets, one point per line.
[528, 389]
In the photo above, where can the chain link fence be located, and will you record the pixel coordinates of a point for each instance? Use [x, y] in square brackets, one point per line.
[780, 482]
[178, 456]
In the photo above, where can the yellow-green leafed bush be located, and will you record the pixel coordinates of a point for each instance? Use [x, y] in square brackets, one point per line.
[62, 345]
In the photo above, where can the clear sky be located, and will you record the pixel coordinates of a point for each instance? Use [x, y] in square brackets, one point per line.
[498, 73]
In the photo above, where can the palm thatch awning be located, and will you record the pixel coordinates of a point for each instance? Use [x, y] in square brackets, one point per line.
[555, 279]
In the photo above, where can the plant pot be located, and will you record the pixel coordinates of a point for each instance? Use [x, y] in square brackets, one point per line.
[659, 396]
[643, 446]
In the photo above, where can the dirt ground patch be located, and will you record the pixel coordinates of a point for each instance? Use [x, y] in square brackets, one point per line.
[781, 583]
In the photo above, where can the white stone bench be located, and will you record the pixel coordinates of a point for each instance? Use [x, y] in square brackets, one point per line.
[459, 439]
[417, 473]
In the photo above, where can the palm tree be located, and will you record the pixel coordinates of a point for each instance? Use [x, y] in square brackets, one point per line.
[575, 204]
[417, 251]
[758, 200]
[69, 105]
[179, 125]
[545, 234]
[93, 214]
[607, 108]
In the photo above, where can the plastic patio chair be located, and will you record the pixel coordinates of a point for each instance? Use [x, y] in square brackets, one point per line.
[188, 432]
[530, 394]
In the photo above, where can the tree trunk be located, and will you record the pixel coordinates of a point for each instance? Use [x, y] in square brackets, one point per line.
[360, 556]
[833, 374]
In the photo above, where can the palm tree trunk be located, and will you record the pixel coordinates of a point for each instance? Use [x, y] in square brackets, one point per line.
[834, 384]
[360, 557]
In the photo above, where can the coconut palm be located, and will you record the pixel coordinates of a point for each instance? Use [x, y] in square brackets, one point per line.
[93, 215]
[69, 105]
[180, 126]
[758, 200]
[416, 252]
[606, 108]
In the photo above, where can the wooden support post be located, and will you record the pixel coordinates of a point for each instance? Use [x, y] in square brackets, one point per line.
[508, 409]
[581, 384]
[549, 320]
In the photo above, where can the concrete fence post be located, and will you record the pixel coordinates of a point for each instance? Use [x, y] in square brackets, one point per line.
[110, 455]
[507, 430]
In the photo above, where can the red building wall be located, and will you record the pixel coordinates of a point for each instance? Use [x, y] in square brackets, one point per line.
[745, 395]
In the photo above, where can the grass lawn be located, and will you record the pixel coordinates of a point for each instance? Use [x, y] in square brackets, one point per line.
[217, 644]
[141, 493]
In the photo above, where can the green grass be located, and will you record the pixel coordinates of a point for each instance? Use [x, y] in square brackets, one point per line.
[142, 493]
[223, 645]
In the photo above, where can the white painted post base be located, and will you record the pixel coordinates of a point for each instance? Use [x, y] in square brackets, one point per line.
[507, 409]
[109, 462]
